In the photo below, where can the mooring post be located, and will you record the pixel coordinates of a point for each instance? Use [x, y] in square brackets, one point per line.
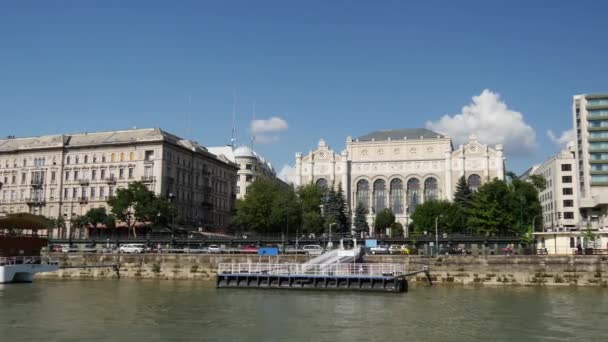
[116, 268]
[428, 275]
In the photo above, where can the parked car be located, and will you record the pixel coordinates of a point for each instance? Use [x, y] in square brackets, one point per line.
[56, 248]
[396, 249]
[132, 248]
[382, 249]
[249, 249]
[215, 249]
[313, 249]
[68, 249]
[88, 249]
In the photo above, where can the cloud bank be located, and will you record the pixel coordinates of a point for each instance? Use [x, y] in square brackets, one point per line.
[288, 174]
[563, 140]
[488, 117]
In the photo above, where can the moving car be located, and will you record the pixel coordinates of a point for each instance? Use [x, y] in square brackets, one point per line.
[313, 249]
[132, 248]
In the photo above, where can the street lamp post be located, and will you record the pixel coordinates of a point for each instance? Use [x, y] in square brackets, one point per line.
[171, 216]
[437, 234]
[330, 243]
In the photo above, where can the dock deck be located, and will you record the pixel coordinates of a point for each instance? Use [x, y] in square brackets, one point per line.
[351, 276]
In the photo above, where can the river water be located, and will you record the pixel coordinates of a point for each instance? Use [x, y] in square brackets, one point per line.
[148, 310]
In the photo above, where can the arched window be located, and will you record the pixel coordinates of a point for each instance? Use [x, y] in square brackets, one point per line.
[67, 160]
[396, 196]
[77, 160]
[131, 156]
[474, 182]
[430, 189]
[321, 183]
[363, 193]
[379, 195]
[413, 194]
[113, 157]
[103, 158]
[122, 157]
[86, 158]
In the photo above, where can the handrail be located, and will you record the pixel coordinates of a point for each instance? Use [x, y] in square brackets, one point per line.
[21, 260]
[350, 269]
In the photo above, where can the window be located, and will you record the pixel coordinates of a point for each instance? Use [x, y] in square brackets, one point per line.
[566, 179]
[93, 174]
[379, 195]
[121, 173]
[75, 174]
[66, 193]
[24, 162]
[122, 157]
[396, 196]
[52, 193]
[413, 189]
[131, 156]
[102, 174]
[94, 159]
[248, 166]
[113, 157]
[23, 175]
[84, 193]
[67, 160]
[430, 189]
[567, 191]
[363, 194]
[322, 183]
[103, 158]
[74, 192]
[569, 215]
[53, 176]
[568, 203]
[92, 192]
[76, 160]
[149, 155]
[67, 175]
[131, 172]
[101, 192]
[248, 178]
[474, 182]
[566, 167]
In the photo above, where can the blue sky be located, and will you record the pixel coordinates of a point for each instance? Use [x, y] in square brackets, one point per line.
[325, 68]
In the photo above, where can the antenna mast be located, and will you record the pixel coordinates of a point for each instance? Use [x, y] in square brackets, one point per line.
[233, 138]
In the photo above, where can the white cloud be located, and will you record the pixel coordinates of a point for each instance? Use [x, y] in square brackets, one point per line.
[265, 139]
[288, 174]
[274, 124]
[492, 121]
[563, 140]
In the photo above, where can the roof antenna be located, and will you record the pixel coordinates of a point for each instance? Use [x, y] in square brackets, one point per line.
[252, 131]
[233, 138]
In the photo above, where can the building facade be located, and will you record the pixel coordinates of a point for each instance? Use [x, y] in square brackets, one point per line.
[399, 169]
[590, 117]
[69, 174]
[251, 166]
[560, 198]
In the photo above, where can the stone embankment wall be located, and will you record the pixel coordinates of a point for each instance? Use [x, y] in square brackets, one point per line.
[459, 270]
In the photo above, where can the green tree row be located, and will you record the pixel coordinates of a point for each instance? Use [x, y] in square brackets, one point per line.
[498, 207]
[270, 208]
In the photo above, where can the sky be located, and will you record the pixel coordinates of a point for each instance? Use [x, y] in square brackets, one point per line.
[505, 71]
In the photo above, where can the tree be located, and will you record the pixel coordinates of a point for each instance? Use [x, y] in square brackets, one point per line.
[396, 229]
[491, 211]
[59, 224]
[255, 210]
[360, 223]
[286, 210]
[463, 194]
[311, 198]
[452, 217]
[138, 204]
[384, 219]
[335, 210]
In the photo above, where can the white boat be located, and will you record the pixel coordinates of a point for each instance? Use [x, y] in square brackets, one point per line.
[21, 269]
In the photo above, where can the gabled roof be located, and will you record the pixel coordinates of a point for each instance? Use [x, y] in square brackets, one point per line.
[401, 134]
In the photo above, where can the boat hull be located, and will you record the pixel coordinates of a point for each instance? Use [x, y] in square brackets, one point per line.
[23, 273]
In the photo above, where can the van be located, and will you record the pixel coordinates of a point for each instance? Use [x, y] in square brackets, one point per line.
[313, 249]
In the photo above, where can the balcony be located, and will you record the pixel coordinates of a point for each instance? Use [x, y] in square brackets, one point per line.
[148, 179]
[37, 183]
[595, 129]
[111, 180]
[83, 182]
[35, 201]
[83, 200]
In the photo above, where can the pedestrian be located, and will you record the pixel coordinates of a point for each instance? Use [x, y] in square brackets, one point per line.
[579, 249]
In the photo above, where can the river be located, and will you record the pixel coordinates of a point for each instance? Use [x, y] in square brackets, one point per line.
[148, 310]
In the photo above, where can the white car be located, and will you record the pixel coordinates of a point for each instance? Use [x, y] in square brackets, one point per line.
[313, 249]
[132, 248]
[215, 249]
[68, 249]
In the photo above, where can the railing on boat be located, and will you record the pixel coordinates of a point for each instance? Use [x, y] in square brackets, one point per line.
[350, 269]
[20, 260]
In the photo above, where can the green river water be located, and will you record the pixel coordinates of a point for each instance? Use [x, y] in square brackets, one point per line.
[147, 310]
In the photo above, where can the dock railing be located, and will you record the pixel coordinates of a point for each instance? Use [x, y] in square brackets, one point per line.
[346, 269]
[20, 260]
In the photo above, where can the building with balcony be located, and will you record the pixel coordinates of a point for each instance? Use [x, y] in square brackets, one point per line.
[399, 169]
[68, 174]
[590, 118]
[560, 198]
[251, 166]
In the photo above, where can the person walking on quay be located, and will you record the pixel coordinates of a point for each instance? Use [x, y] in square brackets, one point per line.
[579, 249]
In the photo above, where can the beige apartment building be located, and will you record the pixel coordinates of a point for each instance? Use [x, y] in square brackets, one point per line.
[251, 166]
[399, 169]
[68, 174]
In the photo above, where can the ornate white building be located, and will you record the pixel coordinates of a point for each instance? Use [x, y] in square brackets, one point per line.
[399, 169]
[251, 166]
